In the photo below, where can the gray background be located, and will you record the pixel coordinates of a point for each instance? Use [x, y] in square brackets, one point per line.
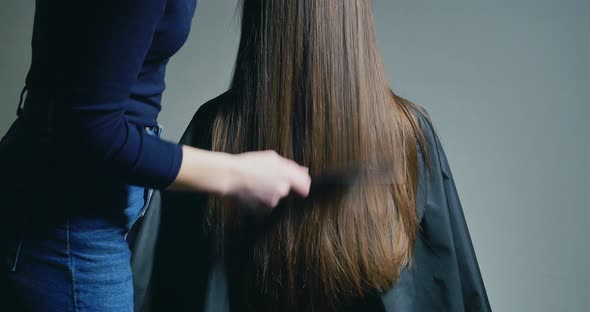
[505, 82]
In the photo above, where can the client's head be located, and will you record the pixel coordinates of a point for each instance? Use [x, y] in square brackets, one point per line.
[309, 83]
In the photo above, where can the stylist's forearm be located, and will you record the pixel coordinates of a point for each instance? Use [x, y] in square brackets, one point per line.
[203, 171]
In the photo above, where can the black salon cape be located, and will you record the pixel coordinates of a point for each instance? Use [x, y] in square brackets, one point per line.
[174, 270]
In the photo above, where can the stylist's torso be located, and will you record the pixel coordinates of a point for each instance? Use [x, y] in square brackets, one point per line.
[77, 163]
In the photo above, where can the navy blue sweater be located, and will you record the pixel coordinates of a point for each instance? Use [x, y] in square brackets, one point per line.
[105, 61]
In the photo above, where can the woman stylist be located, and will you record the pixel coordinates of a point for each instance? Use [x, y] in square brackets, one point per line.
[76, 164]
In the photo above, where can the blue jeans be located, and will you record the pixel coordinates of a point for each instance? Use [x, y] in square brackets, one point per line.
[58, 259]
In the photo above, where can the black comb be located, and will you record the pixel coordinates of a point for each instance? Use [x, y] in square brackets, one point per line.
[351, 175]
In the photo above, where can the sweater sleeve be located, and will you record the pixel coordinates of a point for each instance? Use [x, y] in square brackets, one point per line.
[102, 46]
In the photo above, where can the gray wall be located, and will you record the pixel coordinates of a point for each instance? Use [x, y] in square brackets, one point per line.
[505, 83]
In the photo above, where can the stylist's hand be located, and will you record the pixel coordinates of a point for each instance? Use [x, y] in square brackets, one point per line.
[262, 179]
[258, 180]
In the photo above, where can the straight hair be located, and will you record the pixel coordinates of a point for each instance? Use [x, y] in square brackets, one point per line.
[310, 84]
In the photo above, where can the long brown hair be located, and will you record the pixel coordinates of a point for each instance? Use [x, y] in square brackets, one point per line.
[309, 83]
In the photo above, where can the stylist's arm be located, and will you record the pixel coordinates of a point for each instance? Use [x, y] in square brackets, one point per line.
[258, 179]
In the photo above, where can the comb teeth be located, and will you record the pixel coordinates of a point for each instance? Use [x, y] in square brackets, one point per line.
[353, 175]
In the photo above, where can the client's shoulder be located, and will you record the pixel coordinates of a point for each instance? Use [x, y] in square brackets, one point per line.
[425, 124]
[429, 171]
[432, 157]
[208, 111]
[420, 119]
[198, 131]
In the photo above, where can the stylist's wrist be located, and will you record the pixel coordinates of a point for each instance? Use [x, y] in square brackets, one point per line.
[229, 175]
